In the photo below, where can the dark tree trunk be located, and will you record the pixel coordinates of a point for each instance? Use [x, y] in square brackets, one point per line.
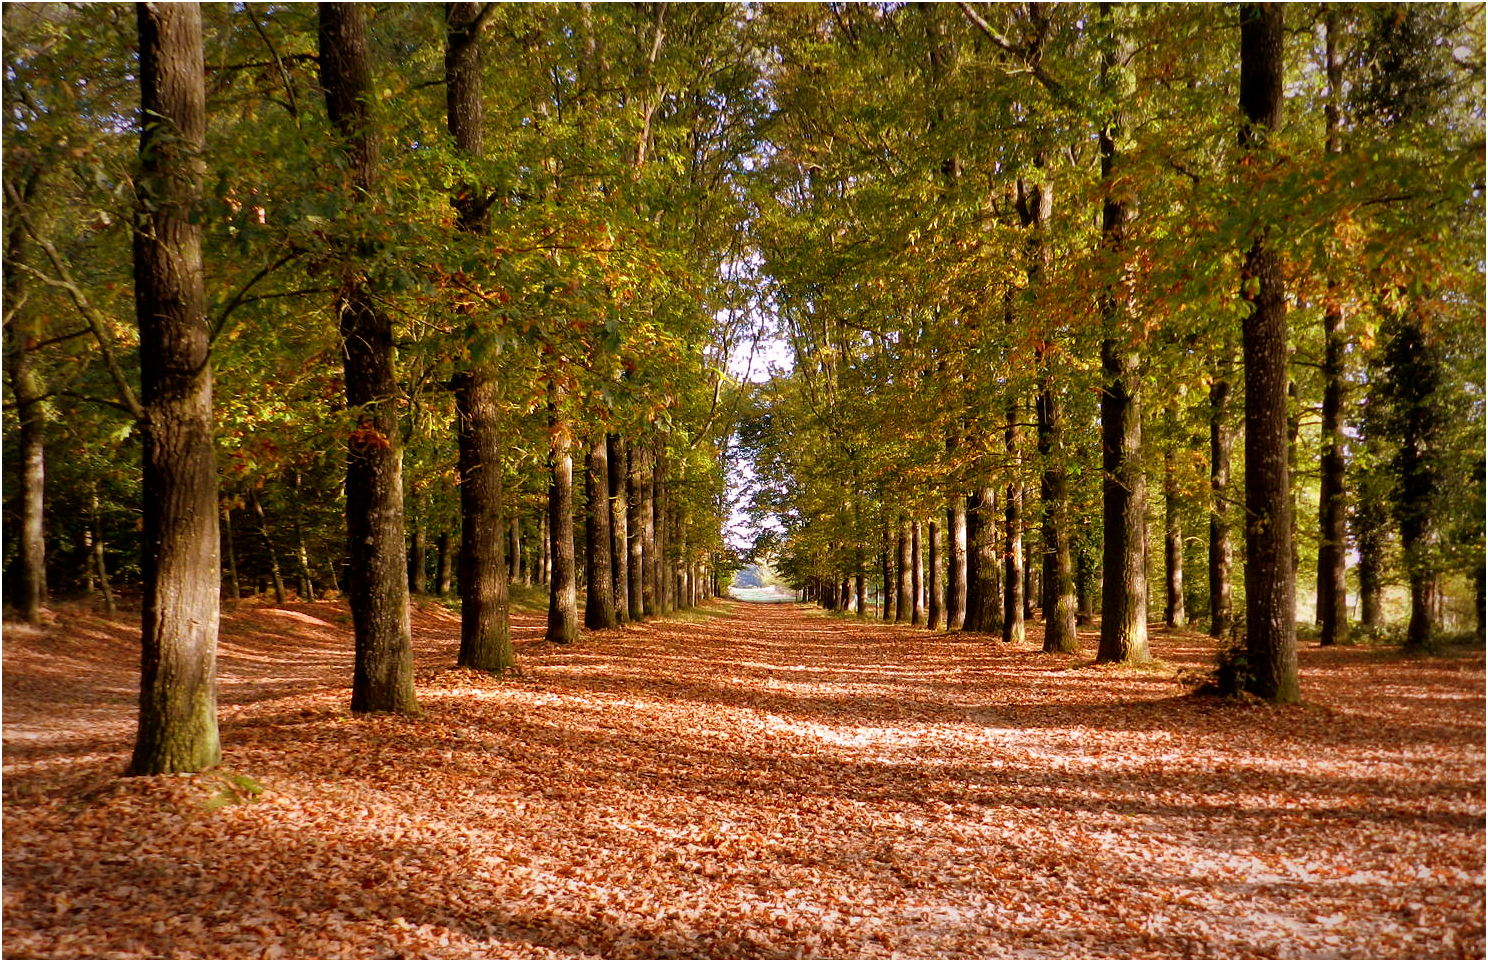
[516, 569]
[974, 581]
[178, 678]
[861, 584]
[599, 597]
[377, 581]
[1174, 613]
[660, 576]
[1123, 636]
[485, 591]
[563, 591]
[418, 560]
[1332, 588]
[635, 521]
[886, 596]
[485, 634]
[1058, 587]
[1369, 533]
[1270, 589]
[936, 608]
[985, 613]
[1012, 625]
[100, 559]
[649, 599]
[956, 550]
[234, 587]
[903, 579]
[1221, 606]
[619, 527]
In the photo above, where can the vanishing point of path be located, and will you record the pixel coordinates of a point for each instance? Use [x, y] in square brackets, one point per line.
[749, 781]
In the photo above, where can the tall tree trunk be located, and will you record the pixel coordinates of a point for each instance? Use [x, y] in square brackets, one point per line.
[1012, 625]
[861, 586]
[1123, 635]
[1174, 613]
[635, 522]
[418, 560]
[936, 608]
[100, 560]
[985, 612]
[903, 579]
[235, 590]
[886, 596]
[377, 580]
[563, 599]
[917, 614]
[1221, 606]
[485, 634]
[29, 392]
[178, 677]
[619, 527]
[660, 536]
[1369, 534]
[1270, 588]
[956, 552]
[485, 592]
[1058, 587]
[275, 572]
[1332, 587]
[599, 597]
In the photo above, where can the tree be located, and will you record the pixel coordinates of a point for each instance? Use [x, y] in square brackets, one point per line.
[377, 582]
[485, 640]
[178, 669]
[1270, 589]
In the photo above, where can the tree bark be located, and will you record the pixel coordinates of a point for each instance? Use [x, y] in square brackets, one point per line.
[1012, 624]
[1058, 579]
[444, 567]
[903, 580]
[1221, 606]
[178, 678]
[234, 586]
[485, 633]
[377, 581]
[599, 596]
[276, 573]
[619, 527]
[1174, 612]
[650, 602]
[1270, 588]
[563, 598]
[29, 392]
[985, 613]
[1123, 635]
[916, 576]
[485, 591]
[635, 524]
[936, 608]
[1332, 587]
[956, 549]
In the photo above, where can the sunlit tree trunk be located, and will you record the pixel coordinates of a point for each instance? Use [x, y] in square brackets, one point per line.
[563, 588]
[956, 545]
[903, 580]
[1220, 552]
[29, 393]
[178, 678]
[935, 608]
[1012, 598]
[619, 527]
[916, 576]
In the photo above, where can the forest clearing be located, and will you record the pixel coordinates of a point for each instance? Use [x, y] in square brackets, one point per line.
[744, 781]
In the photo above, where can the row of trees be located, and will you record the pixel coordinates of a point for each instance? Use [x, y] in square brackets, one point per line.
[431, 260]
[1042, 265]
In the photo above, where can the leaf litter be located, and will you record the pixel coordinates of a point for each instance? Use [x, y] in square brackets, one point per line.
[765, 782]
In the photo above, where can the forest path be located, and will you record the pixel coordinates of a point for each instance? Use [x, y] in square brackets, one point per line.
[744, 781]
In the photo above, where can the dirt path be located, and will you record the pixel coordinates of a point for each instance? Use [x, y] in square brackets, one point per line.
[762, 781]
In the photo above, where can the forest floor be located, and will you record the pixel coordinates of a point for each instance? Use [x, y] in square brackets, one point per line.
[743, 781]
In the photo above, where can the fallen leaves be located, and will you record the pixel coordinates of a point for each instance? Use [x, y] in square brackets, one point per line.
[771, 783]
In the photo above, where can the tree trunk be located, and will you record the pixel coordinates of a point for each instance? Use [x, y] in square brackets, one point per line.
[1221, 606]
[418, 559]
[936, 608]
[178, 677]
[660, 536]
[1058, 587]
[861, 586]
[377, 581]
[100, 559]
[619, 527]
[563, 598]
[1013, 625]
[31, 418]
[649, 598]
[1369, 533]
[903, 579]
[956, 545]
[886, 596]
[485, 633]
[1174, 612]
[916, 576]
[599, 597]
[1270, 589]
[234, 588]
[635, 525]
[275, 572]
[1332, 587]
[1123, 636]
[985, 614]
